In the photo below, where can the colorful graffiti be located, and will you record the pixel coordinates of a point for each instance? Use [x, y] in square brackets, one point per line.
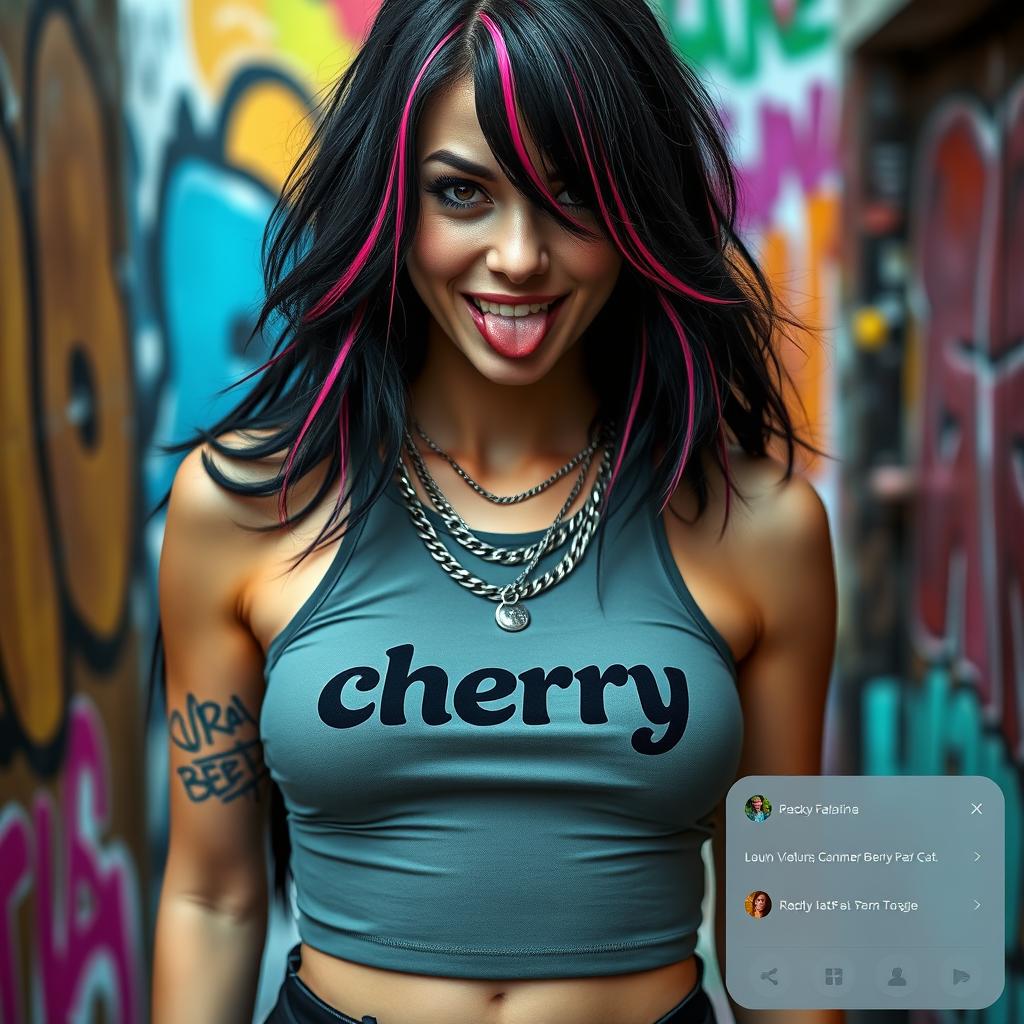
[743, 39]
[773, 65]
[218, 96]
[70, 912]
[968, 566]
[313, 39]
[208, 154]
[87, 946]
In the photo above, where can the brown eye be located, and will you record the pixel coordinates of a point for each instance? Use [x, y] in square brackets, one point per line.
[454, 192]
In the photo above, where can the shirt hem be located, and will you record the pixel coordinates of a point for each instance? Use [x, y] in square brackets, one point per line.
[468, 962]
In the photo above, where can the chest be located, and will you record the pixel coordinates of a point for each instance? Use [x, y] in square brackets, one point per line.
[707, 563]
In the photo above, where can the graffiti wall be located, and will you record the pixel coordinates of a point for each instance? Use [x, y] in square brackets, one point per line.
[142, 145]
[968, 576]
[959, 706]
[216, 101]
[72, 844]
[774, 67]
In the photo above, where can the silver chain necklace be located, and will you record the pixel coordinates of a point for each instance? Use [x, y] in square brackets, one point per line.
[508, 499]
[510, 614]
[461, 531]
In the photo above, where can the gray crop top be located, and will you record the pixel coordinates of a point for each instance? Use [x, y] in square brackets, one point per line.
[468, 802]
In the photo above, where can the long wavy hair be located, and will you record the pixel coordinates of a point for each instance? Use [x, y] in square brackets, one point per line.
[681, 356]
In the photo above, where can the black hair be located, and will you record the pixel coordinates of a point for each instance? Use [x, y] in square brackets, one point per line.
[681, 357]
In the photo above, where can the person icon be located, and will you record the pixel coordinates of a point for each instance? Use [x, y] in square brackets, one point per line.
[897, 977]
[757, 808]
[758, 904]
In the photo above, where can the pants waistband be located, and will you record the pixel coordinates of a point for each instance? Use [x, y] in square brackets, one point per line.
[298, 1004]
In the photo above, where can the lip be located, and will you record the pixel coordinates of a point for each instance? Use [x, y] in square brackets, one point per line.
[479, 322]
[515, 300]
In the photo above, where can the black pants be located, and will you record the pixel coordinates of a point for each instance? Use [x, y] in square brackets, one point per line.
[298, 1004]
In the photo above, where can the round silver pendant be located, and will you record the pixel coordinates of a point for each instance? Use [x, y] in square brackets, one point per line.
[512, 617]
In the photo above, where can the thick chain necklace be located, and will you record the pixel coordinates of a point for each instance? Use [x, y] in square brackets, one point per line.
[461, 531]
[510, 614]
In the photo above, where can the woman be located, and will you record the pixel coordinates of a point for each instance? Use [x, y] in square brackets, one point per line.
[760, 905]
[457, 585]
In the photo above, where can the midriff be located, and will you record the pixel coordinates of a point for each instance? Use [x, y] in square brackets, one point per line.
[395, 997]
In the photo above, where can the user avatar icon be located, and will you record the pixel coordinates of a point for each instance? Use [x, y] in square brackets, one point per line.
[757, 808]
[897, 977]
[758, 903]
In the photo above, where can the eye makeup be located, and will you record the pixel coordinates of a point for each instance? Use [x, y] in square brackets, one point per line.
[442, 183]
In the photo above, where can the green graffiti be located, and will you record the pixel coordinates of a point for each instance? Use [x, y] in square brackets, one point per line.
[706, 42]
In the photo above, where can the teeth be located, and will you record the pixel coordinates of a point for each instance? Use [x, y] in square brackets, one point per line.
[505, 310]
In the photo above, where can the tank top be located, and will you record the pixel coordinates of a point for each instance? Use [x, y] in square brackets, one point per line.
[468, 802]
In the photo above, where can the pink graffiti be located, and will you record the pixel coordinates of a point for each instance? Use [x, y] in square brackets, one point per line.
[86, 895]
[809, 151]
[354, 17]
[15, 875]
[969, 564]
[784, 11]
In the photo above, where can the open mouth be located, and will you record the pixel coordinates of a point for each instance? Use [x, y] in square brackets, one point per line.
[514, 337]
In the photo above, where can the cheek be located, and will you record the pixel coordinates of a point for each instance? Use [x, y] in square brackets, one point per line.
[596, 264]
[439, 251]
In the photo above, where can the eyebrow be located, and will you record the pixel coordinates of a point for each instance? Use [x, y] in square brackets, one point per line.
[460, 163]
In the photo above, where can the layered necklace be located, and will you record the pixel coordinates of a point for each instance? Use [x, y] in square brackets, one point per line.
[577, 531]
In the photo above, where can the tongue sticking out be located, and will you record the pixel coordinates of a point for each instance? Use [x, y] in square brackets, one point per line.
[515, 336]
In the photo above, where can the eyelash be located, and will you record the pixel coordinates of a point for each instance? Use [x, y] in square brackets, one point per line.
[441, 185]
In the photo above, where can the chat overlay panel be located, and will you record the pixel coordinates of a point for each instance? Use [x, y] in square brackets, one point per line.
[864, 892]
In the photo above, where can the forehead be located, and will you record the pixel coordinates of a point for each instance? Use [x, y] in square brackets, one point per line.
[451, 114]
[449, 121]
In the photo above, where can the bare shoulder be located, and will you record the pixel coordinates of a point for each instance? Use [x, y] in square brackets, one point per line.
[196, 489]
[199, 498]
[775, 509]
[208, 532]
[784, 543]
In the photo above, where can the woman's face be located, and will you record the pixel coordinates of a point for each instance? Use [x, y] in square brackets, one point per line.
[759, 902]
[755, 802]
[480, 236]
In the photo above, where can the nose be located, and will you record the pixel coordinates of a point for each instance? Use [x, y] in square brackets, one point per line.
[518, 250]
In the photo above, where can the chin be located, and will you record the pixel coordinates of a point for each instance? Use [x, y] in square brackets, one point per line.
[513, 372]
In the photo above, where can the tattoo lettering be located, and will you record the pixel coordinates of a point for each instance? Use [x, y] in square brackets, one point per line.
[204, 721]
[225, 774]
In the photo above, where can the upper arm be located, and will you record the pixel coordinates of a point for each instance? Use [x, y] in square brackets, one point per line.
[214, 692]
[783, 682]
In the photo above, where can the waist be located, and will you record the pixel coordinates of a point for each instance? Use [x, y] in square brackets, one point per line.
[355, 989]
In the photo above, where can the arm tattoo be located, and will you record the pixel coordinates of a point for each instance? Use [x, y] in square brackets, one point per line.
[225, 774]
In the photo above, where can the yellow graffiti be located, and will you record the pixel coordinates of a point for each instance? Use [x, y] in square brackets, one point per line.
[301, 36]
[86, 381]
[267, 129]
[31, 639]
[227, 34]
[308, 35]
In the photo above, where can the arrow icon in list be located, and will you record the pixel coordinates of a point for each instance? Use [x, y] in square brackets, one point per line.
[977, 905]
[977, 856]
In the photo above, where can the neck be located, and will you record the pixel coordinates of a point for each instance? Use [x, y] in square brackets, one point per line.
[500, 427]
